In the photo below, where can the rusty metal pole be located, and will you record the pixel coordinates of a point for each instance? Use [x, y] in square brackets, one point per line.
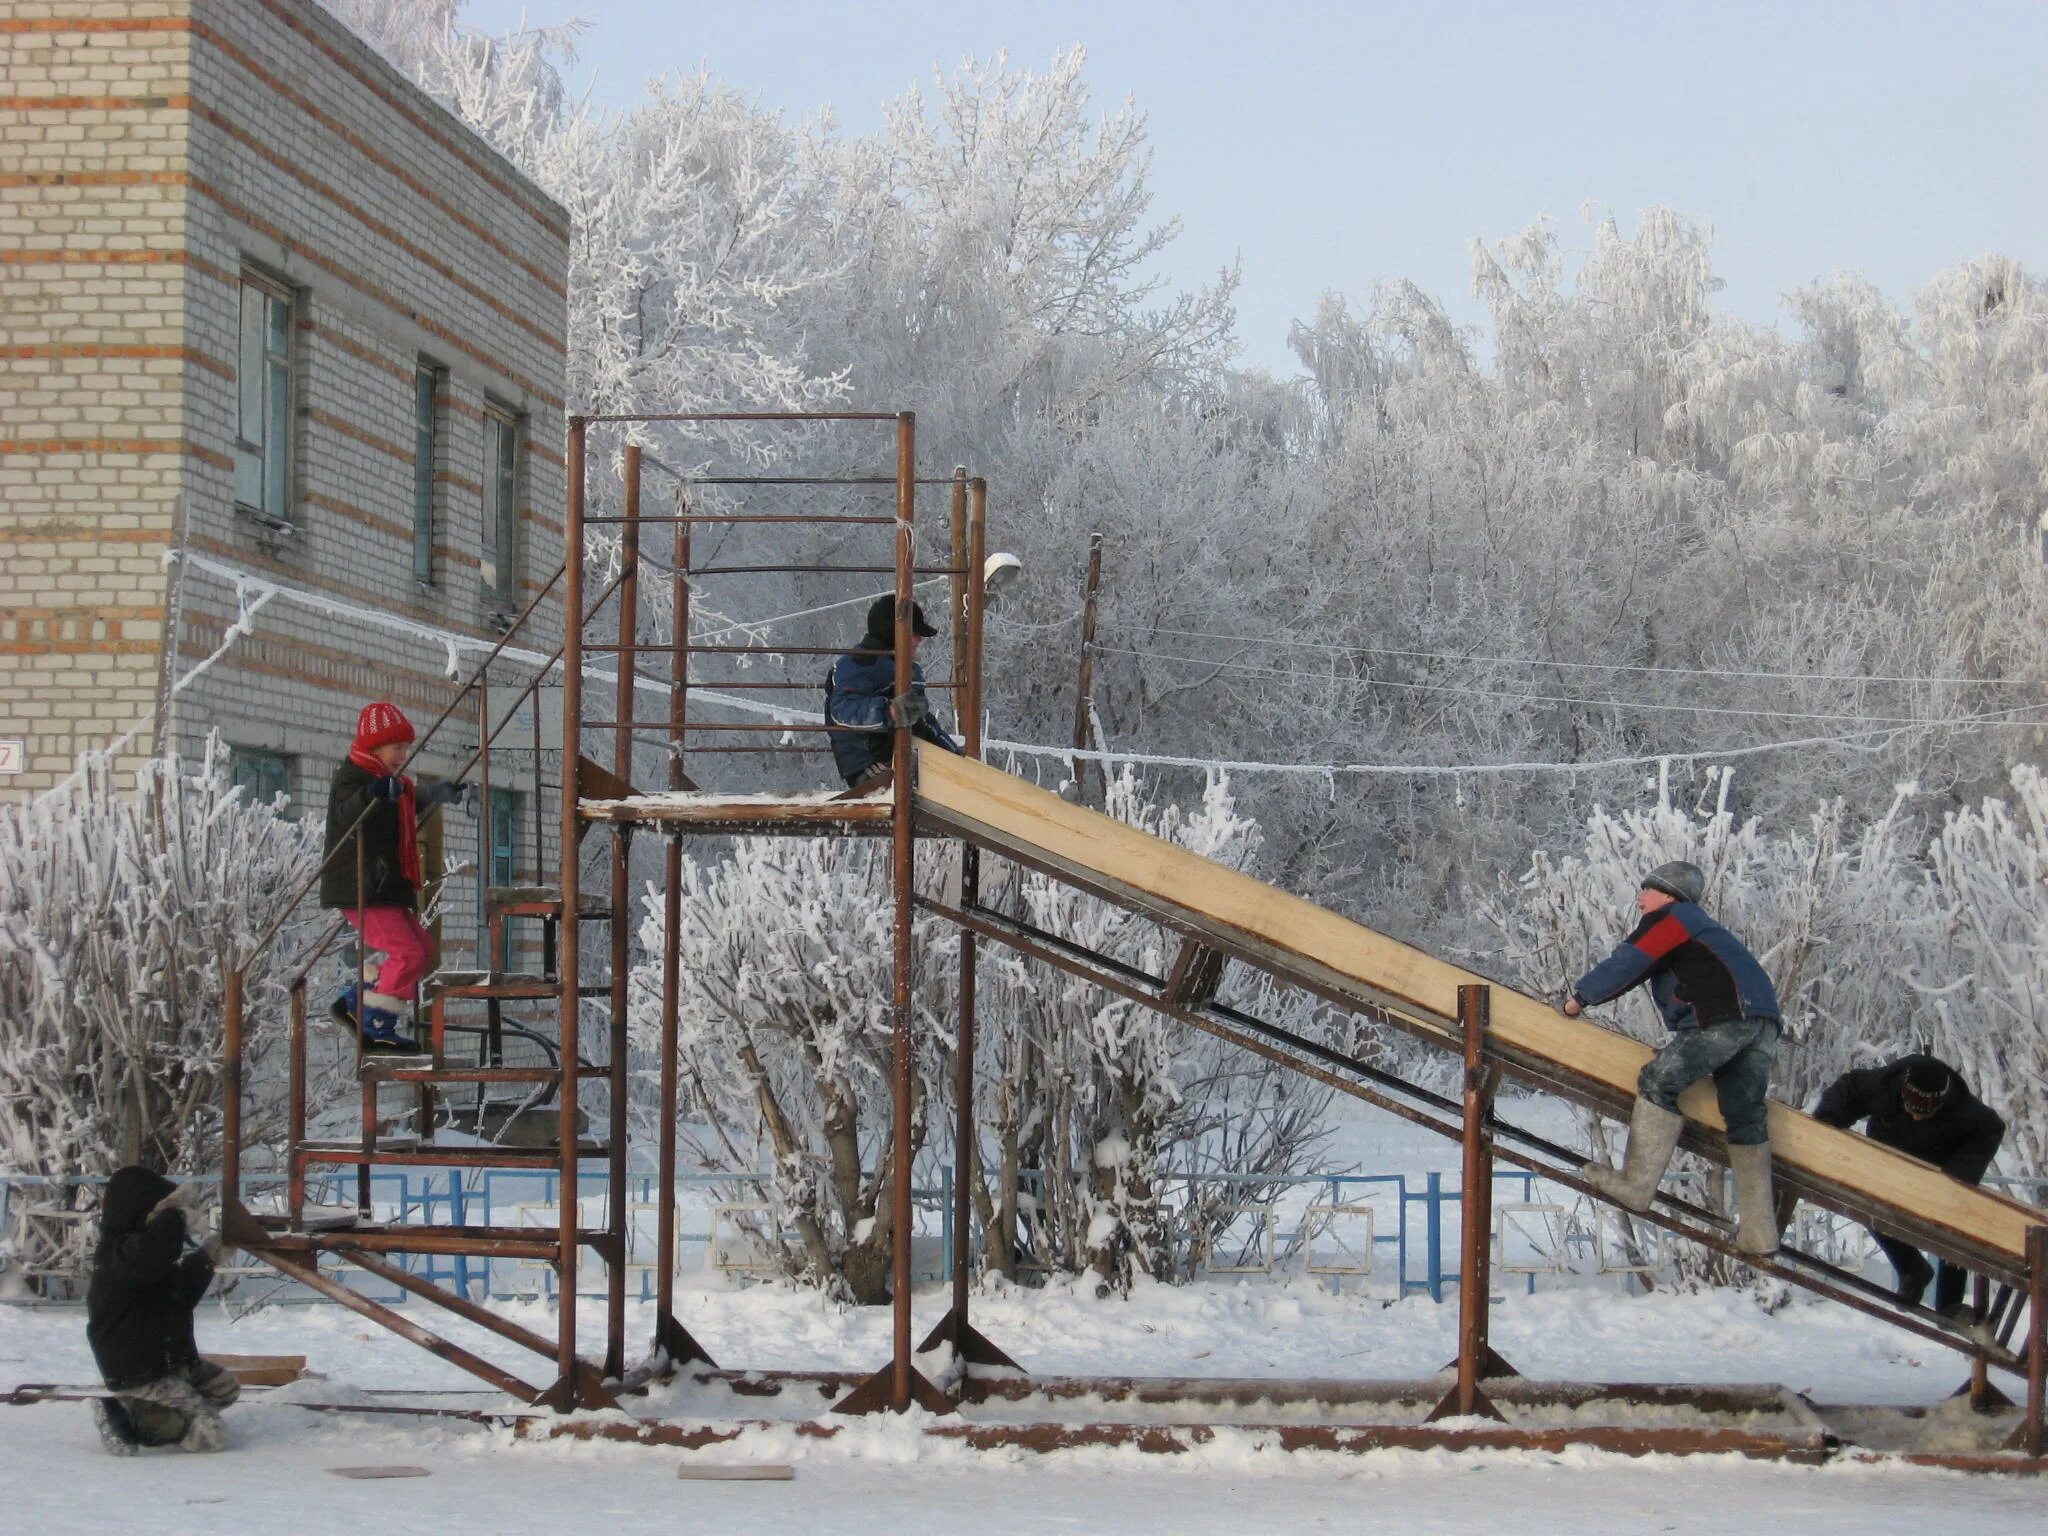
[362, 837]
[903, 870]
[231, 1090]
[977, 613]
[621, 923]
[2033, 1435]
[568, 941]
[957, 587]
[483, 708]
[1983, 1396]
[1084, 696]
[1476, 1359]
[965, 1136]
[295, 1131]
[672, 932]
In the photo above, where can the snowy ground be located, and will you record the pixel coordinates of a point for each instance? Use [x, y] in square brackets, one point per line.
[881, 1476]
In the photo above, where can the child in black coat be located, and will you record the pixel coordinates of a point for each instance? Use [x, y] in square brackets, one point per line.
[146, 1284]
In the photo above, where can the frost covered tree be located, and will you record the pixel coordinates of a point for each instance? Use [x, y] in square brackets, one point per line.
[1114, 1104]
[786, 1016]
[1092, 1108]
[121, 912]
[1606, 525]
[1984, 980]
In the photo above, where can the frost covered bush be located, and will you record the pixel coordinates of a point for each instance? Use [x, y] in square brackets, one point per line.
[1093, 1110]
[1877, 943]
[1984, 979]
[1119, 1108]
[786, 1016]
[121, 912]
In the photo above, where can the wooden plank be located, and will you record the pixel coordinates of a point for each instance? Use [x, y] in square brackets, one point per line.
[261, 1370]
[367, 1474]
[736, 1472]
[1255, 919]
[738, 810]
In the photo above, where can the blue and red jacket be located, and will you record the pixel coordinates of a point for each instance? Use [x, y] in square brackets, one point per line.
[1698, 971]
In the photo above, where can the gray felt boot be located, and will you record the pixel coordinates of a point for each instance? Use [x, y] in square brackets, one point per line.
[1756, 1232]
[1652, 1138]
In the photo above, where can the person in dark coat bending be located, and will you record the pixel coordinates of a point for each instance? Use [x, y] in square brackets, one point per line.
[153, 1263]
[1921, 1106]
[860, 692]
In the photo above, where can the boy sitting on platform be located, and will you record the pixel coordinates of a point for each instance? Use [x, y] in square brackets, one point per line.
[861, 698]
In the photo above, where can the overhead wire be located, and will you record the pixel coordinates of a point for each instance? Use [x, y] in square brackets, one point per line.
[1588, 666]
[1535, 698]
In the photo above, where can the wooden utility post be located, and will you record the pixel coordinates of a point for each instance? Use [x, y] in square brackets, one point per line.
[1084, 698]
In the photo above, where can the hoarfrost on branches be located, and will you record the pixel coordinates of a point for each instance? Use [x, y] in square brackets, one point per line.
[1104, 1110]
[121, 912]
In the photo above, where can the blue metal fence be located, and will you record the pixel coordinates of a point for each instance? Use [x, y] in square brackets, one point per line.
[505, 1197]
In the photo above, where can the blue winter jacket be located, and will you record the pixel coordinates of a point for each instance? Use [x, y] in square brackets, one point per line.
[857, 693]
[1699, 972]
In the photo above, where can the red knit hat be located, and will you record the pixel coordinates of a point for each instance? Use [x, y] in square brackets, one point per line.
[381, 724]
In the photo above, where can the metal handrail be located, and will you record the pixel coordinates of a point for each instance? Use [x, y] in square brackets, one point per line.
[419, 745]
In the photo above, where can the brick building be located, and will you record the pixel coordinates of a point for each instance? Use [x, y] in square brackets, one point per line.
[269, 312]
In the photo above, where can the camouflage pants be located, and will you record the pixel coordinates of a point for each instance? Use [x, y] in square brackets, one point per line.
[183, 1408]
[1738, 1055]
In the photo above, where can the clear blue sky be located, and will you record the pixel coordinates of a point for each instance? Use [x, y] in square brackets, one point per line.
[1335, 145]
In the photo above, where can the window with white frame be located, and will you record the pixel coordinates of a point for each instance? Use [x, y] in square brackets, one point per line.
[263, 401]
[501, 507]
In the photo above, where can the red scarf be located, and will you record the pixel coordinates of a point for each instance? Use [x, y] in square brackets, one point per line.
[408, 814]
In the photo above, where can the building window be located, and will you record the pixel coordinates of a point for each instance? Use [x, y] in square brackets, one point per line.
[504, 833]
[501, 508]
[262, 776]
[426, 400]
[263, 413]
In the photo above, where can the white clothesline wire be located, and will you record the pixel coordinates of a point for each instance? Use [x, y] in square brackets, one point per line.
[264, 590]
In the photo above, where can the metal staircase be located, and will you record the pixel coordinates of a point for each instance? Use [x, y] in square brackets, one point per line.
[497, 1083]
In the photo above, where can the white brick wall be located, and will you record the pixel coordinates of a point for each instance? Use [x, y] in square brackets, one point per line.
[262, 133]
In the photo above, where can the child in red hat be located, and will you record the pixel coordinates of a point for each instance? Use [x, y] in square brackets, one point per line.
[368, 781]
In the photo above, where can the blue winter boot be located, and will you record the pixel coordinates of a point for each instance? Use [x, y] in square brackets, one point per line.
[345, 1008]
[382, 1032]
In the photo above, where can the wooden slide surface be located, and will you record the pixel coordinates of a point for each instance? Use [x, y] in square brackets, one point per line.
[1299, 940]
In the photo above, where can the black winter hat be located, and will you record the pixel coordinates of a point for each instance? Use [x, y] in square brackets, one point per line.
[1926, 1085]
[132, 1193]
[882, 619]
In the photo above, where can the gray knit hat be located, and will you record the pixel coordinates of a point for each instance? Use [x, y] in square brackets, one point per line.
[1688, 882]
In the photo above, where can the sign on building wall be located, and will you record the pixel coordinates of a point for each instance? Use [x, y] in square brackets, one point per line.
[13, 755]
[517, 735]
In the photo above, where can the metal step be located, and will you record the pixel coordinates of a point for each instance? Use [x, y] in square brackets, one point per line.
[415, 1155]
[417, 1069]
[486, 1242]
[541, 901]
[506, 986]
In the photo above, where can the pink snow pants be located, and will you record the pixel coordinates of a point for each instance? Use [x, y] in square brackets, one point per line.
[408, 947]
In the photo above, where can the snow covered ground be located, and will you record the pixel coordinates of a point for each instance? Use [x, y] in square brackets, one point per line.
[882, 1476]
